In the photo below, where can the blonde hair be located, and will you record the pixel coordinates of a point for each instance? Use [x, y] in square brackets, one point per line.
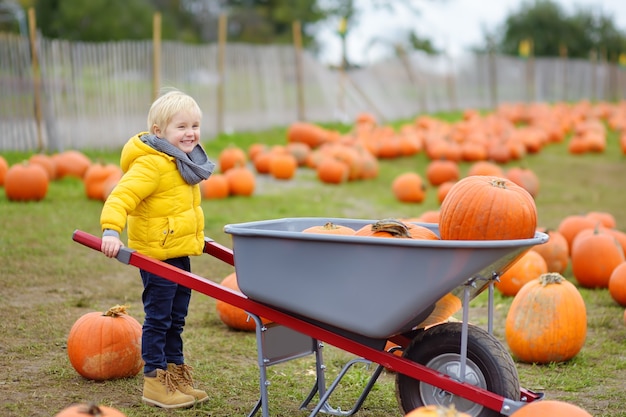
[167, 105]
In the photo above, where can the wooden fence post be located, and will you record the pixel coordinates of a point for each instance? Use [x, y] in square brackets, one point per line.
[451, 84]
[32, 28]
[297, 44]
[493, 78]
[221, 51]
[530, 73]
[563, 61]
[156, 55]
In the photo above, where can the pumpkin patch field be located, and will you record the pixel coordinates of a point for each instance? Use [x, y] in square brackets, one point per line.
[569, 159]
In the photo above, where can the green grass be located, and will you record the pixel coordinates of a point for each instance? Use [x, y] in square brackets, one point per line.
[47, 281]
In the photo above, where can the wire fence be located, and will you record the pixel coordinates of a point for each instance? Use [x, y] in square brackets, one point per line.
[96, 95]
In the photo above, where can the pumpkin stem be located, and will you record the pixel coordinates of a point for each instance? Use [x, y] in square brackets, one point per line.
[498, 182]
[330, 226]
[116, 311]
[91, 409]
[392, 226]
[550, 278]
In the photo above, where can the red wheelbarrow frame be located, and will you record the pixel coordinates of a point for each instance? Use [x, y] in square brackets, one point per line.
[388, 360]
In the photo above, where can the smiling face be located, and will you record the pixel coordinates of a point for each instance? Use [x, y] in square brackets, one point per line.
[182, 131]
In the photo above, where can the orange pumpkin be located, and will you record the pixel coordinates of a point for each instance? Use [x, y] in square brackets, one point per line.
[594, 257]
[443, 189]
[330, 228]
[46, 162]
[547, 321]
[241, 181]
[4, 167]
[617, 284]
[26, 182]
[230, 157]
[331, 170]
[420, 232]
[485, 168]
[429, 216]
[84, 410]
[234, 317]
[300, 151]
[215, 187]
[255, 149]
[487, 208]
[606, 219]
[571, 225]
[393, 228]
[527, 268]
[71, 163]
[552, 408]
[97, 176]
[435, 411]
[308, 133]
[555, 251]
[442, 170]
[103, 346]
[525, 178]
[262, 160]
[283, 165]
[409, 188]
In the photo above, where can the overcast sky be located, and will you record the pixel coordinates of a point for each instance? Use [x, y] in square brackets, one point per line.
[452, 25]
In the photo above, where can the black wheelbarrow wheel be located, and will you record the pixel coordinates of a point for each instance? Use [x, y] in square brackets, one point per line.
[488, 366]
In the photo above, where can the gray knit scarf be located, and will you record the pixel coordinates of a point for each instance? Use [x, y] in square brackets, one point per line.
[193, 167]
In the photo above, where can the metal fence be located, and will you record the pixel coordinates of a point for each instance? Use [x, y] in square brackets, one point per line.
[97, 95]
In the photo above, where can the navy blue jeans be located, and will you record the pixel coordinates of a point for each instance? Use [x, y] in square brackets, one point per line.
[165, 304]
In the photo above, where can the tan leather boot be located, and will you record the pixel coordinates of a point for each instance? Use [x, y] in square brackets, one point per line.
[161, 391]
[184, 381]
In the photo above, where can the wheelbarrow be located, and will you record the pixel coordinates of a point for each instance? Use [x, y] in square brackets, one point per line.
[357, 293]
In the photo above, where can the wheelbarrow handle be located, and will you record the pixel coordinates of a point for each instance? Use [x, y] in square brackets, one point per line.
[211, 247]
[95, 243]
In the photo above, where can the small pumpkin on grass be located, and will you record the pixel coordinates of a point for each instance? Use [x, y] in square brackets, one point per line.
[283, 165]
[46, 162]
[230, 157]
[26, 182]
[487, 208]
[215, 187]
[595, 254]
[436, 411]
[547, 321]
[96, 177]
[71, 163]
[234, 317]
[85, 410]
[527, 268]
[409, 187]
[331, 170]
[617, 284]
[4, 167]
[555, 251]
[241, 180]
[103, 346]
[551, 408]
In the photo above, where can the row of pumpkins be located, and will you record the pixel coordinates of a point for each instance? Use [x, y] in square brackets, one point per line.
[485, 141]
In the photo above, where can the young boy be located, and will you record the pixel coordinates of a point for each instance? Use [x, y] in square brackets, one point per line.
[158, 198]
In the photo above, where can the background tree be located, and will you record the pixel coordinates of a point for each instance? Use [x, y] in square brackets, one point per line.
[550, 29]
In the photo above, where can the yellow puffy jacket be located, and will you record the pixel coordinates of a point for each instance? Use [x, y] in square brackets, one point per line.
[163, 212]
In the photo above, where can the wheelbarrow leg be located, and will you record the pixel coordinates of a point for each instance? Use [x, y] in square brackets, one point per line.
[276, 344]
[323, 405]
